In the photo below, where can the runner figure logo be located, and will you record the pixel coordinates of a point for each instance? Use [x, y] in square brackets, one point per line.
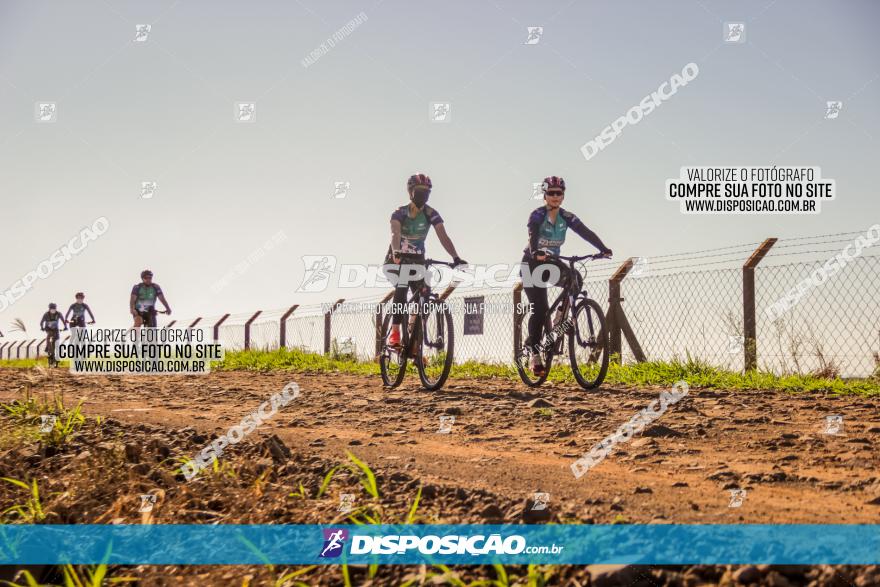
[735, 344]
[535, 34]
[334, 540]
[537, 190]
[446, 423]
[833, 424]
[832, 109]
[147, 502]
[47, 423]
[319, 268]
[148, 189]
[346, 502]
[440, 112]
[141, 32]
[340, 189]
[734, 32]
[737, 496]
[540, 500]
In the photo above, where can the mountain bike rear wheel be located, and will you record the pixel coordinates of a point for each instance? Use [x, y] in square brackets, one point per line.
[524, 356]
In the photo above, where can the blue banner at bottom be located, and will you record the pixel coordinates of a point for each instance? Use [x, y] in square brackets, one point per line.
[440, 544]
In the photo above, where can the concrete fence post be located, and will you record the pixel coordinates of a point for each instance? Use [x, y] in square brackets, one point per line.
[750, 334]
[282, 327]
[247, 330]
[327, 315]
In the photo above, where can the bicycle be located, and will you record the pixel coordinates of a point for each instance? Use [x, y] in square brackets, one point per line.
[428, 339]
[578, 316]
[52, 335]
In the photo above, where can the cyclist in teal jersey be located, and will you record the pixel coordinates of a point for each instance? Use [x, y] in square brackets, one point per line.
[79, 309]
[547, 226]
[409, 228]
[142, 302]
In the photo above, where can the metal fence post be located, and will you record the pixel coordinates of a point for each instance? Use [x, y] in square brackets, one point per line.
[170, 324]
[217, 327]
[247, 330]
[38, 348]
[282, 329]
[3, 348]
[27, 349]
[18, 349]
[750, 334]
[196, 321]
[327, 325]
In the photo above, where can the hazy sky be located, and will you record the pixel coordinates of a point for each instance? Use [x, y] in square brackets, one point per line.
[163, 110]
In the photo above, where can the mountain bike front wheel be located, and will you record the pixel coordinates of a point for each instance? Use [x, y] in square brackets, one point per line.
[588, 344]
[434, 349]
[392, 360]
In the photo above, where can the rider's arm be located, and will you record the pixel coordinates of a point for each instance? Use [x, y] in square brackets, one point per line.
[395, 237]
[585, 233]
[534, 226]
[445, 240]
[69, 310]
[162, 299]
[89, 310]
[131, 302]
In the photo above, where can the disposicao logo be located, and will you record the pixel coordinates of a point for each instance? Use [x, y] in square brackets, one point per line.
[334, 541]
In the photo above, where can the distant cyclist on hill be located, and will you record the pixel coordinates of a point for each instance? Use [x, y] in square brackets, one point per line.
[409, 227]
[547, 226]
[79, 309]
[143, 300]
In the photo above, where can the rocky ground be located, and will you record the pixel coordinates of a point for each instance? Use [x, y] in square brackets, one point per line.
[505, 444]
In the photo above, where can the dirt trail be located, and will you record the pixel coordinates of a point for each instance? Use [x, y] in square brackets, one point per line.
[681, 470]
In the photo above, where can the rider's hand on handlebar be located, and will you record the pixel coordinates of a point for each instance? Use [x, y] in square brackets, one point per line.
[456, 261]
[606, 254]
[92, 322]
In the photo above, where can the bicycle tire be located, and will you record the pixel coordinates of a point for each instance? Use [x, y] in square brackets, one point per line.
[522, 357]
[576, 343]
[386, 355]
[449, 340]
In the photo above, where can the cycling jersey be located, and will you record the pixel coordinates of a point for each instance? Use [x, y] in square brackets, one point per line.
[50, 322]
[145, 296]
[79, 310]
[413, 231]
[544, 234]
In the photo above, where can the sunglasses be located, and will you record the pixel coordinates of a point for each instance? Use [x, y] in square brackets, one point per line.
[555, 193]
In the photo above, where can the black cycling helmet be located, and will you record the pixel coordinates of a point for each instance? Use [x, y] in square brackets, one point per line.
[53, 306]
[79, 294]
[146, 273]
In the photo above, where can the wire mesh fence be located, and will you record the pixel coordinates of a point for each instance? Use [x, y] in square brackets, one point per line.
[678, 306]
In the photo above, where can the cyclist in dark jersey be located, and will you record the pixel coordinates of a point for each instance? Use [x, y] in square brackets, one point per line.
[79, 309]
[49, 325]
[409, 228]
[142, 303]
[547, 226]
